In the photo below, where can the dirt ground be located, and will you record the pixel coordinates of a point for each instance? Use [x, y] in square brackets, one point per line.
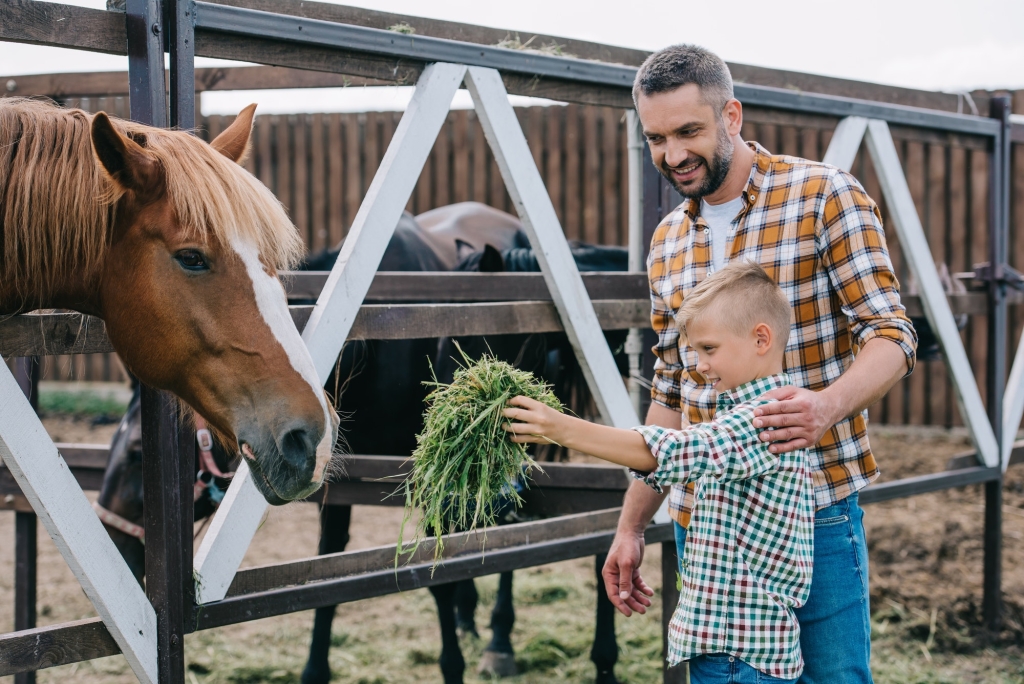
[925, 555]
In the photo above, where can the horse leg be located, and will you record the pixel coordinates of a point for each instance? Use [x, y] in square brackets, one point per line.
[466, 599]
[498, 659]
[605, 652]
[452, 663]
[334, 524]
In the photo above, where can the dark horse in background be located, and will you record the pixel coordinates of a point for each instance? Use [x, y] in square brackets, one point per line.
[379, 392]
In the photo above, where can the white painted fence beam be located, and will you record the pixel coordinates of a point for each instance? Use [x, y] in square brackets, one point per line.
[533, 204]
[933, 296]
[47, 482]
[845, 143]
[1013, 404]
[239, 515]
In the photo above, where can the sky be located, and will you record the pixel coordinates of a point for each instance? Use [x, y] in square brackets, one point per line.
[947, 45]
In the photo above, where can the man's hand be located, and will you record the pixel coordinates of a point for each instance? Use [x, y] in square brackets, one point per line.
[800, 418]
[626, 588]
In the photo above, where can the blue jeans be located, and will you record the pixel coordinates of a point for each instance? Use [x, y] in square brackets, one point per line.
[835, 623]
[722, 668]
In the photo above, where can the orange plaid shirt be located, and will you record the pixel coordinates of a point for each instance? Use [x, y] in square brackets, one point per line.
[816, 232]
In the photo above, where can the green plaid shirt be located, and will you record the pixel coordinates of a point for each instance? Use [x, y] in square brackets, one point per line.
[750, 546]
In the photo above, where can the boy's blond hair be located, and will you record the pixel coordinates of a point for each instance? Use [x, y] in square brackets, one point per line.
[741, 295]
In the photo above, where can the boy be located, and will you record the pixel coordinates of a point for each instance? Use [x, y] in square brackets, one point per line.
[750, 547]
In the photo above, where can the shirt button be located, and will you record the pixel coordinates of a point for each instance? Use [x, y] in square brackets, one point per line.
[752, 197]
[709, 271]
[732, 659]
[707, 230]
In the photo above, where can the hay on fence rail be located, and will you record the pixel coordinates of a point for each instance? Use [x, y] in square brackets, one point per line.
[465, 464]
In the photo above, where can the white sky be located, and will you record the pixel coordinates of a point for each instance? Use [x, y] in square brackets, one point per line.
[945, 45]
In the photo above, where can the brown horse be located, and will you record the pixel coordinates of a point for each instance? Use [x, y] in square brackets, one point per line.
[176, 247]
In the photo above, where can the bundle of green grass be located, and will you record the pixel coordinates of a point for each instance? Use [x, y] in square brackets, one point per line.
[465, 463]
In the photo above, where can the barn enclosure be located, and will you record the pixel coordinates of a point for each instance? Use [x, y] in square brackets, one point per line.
[335, 173]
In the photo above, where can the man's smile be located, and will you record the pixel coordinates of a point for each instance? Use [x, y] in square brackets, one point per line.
[687, 173]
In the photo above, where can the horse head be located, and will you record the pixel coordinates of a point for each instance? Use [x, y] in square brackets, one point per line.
[190, 295]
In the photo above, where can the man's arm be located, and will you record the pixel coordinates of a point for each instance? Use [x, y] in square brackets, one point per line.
[802, 417]
[854, 253]
[626, 588]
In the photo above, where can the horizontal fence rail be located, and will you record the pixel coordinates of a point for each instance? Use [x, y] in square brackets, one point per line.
[342, 578]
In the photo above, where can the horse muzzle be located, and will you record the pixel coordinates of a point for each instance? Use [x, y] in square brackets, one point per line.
[284, 465]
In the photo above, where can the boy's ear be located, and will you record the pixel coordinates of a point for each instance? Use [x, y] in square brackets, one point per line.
[763, 338]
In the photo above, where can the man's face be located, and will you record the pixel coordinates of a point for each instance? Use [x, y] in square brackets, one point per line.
[689, 140]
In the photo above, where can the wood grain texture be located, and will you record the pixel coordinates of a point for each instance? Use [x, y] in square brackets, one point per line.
[54, 645]
[45, 23]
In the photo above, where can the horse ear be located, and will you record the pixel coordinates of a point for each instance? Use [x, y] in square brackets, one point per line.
[233, 143]
[491, 261]
[127, 163]
[463, 249]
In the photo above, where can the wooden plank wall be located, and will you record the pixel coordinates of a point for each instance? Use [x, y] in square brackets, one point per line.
[320, 165]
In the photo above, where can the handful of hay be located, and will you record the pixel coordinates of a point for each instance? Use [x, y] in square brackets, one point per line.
[465, 465]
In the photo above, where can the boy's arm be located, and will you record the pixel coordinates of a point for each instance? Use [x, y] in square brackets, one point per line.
[726, 448]
[538, 423]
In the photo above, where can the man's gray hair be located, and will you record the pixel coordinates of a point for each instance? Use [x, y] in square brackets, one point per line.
[680, 65]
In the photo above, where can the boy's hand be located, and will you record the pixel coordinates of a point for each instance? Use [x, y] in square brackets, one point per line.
[534, 422]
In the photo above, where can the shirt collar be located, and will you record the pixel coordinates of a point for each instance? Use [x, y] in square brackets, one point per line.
[751, 390]
[752, 190]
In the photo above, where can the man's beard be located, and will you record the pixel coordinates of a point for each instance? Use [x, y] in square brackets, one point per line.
[715, 170]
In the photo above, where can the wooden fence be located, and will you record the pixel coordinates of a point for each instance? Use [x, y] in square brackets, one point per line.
[320, 165]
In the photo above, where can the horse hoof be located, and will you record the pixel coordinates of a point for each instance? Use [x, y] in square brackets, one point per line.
[316, 675]
[494, 664]
[467, 631]
[606, 677]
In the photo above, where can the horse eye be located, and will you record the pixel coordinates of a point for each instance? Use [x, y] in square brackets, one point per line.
[191, 260]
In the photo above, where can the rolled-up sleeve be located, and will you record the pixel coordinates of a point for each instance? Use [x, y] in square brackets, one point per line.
[853, 249]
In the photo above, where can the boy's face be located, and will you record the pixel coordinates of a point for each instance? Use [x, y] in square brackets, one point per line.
[728, 358]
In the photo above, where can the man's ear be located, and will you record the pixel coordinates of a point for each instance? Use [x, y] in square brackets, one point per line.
[127, 163]
[763, 338]
[233, 142]
[732, 115]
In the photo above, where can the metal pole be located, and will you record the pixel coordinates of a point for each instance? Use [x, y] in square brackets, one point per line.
[999, 211]
[26, 372]
[635, 156]
[147, 95]
[996, 362]
[180, 21]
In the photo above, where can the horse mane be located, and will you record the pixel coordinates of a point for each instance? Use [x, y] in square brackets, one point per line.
[57, 203]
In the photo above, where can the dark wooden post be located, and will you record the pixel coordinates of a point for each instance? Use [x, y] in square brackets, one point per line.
[669, 599]
[168, 462]
[26, 372]
[998, 236]
[168, 450]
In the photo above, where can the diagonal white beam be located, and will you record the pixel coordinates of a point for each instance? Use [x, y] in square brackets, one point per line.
[48, 484]
[533, 204]
[933, 297]
[845, 143]
[1013, 403]
[239, 515]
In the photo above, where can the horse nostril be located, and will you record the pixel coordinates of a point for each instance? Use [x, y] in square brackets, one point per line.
[298, 449]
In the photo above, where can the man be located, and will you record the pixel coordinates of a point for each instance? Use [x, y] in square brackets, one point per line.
[817, 233]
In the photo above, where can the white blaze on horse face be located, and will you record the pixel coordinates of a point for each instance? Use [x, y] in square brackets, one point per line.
[273, 306]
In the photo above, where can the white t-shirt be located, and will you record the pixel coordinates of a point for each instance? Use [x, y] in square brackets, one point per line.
[719, 219]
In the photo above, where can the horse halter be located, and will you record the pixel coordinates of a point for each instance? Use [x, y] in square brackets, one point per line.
[205, 482]
[208, 469]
